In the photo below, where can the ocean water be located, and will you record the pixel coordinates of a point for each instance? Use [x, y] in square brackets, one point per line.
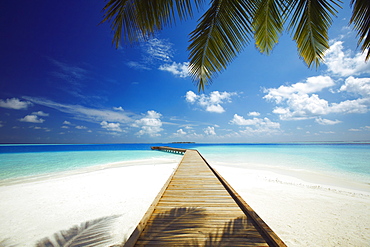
[337, 158]
[36, 159]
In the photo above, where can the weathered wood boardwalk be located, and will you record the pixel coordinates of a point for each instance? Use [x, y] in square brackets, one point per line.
[197, 207]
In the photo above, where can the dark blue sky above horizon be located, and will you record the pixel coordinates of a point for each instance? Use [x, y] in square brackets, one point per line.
[62, 81]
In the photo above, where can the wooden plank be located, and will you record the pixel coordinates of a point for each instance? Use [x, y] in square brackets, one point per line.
[196, 208]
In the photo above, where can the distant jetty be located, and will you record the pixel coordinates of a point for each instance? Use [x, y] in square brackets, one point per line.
[182, 142]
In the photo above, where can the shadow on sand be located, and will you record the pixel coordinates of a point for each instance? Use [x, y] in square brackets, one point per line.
[185, 227]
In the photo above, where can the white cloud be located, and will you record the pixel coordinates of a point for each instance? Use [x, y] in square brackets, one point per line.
[365, 128]
[85, 113]
[159, 49]
[260, 125]
[41, 114]
[215, 108]
[67, 122]
[351, 106]
[15, 104]
[118, 108]
[354, 130]
[210, 131]
[211, 102]
[359, 86]
[341, 62]
[180, 132]
[137, 65]
[81, 127]
[115, 127]
[312, 85]
[65, 127]
[239, 120]
[191, 96]
[32, 119]
[327, 132]
[177, 69]
[323, 121]
[299, 101]
[150, 124]
[254, 114]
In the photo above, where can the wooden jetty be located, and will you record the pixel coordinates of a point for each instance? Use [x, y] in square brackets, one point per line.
[170, 150]
[197, 207]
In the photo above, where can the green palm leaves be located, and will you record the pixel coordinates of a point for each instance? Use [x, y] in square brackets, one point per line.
[221, 34]
[140, 19]
[311, 20]
[361, 20]
[229, 25]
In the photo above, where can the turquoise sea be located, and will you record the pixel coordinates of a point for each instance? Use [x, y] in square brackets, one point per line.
[19, 160]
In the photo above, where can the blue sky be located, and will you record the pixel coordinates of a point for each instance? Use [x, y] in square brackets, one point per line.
[62, 81]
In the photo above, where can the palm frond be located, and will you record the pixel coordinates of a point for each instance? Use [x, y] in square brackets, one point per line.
[361, 20]
[90, 233]
[268, 24]
[221, 34]
[311, 20]
[137, 20]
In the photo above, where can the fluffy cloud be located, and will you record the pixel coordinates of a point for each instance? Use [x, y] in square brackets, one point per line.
[180, 132]
[115, 127]
[40, 113]
[211, 102]
[210, 131]
[323, 121]
[118, 108]
[360, 86]
[81, 127]
[341, 63]
[254, 114]
[32, 119]
[15, 104]
[191, 97]
[260, 125]
[299, 101]
[177, 69]
[150, 124]
[312, 85]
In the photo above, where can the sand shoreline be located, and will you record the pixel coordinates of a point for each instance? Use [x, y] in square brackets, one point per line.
[302, 213]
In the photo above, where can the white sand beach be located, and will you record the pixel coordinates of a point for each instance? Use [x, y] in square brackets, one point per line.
[301, 212]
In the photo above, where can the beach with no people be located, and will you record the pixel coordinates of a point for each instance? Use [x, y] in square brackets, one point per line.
[302, 208]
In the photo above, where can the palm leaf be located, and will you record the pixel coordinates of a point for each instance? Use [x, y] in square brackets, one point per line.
[361, 20]
[311, 20]
[268, 23]
[90, 233]
[221, 34]
[137, 20]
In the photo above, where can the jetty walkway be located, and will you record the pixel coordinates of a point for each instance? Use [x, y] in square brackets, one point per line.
[197, 207]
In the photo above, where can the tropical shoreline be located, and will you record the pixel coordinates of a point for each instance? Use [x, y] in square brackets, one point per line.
[300, 212]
